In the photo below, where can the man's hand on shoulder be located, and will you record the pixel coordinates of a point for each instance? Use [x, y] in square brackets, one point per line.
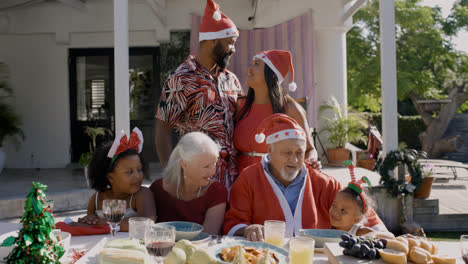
[254, 232]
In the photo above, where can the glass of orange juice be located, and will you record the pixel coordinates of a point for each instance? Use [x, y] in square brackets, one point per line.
[274, 232]
[301, 250]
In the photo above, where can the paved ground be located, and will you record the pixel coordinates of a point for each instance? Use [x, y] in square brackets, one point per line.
[452, 195]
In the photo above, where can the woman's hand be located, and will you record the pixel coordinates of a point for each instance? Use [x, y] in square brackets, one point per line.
[314, 163]
[92, 220]
[254, 233]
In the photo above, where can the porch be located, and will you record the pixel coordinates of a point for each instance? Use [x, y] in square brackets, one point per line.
[444, 210]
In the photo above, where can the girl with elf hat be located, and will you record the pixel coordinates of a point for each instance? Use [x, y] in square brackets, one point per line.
[266, 97]
[349, 209]
[116, 171]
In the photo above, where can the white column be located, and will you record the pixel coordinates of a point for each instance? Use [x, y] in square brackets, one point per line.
[122, 107]
[388, 75]
[330, 65]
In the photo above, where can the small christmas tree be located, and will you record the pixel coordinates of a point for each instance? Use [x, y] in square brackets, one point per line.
[36, 243]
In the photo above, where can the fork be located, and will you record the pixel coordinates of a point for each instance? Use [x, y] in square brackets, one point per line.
[215, 240]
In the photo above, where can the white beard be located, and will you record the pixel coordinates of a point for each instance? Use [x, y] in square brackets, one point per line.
[290, 174]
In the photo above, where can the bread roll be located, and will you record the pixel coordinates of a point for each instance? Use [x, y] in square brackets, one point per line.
[444, 260]
[426, 245]
[419, 255]
[435, 249]
[392, 256]
[397, 245]
[412, 242]
[403, 239]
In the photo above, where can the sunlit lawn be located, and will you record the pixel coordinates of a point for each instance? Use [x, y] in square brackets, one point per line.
[445, 236]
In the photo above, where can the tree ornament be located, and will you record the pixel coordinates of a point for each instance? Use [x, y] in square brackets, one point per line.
[36, 243]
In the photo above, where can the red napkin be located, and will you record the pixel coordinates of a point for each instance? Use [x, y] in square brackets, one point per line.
[83, 230]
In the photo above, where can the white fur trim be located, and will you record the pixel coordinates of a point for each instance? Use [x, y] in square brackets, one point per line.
[140, 136]
[216, 15]
[300, 201]
[285, 134]
[235, 228]
[115, 145]
[260, 138]
[292, 86]
[225, 33]
[288, 216]
[268, 62]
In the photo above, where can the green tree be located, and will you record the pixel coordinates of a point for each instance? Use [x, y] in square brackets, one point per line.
[36, 242]
[428, 66]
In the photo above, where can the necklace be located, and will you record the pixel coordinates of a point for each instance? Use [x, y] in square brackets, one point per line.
[198, 193]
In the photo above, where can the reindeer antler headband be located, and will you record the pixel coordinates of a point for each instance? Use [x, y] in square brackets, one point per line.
[356, 185]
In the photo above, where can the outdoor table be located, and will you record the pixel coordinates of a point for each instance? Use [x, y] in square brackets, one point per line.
[80, 243]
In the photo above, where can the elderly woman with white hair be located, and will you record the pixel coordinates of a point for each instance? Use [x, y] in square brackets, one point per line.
[187, 192]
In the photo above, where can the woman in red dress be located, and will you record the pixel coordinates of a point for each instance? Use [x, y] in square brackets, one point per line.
[187, 192]
[265, 97]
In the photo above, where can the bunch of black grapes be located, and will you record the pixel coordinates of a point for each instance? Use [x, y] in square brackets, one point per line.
[360, 247]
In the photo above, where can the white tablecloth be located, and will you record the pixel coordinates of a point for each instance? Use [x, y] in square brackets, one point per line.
[88, 242]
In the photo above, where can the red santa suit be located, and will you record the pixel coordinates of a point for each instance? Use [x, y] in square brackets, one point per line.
[255, 197]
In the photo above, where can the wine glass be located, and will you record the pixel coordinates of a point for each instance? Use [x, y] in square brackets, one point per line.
[159, 241]
[114, 211]
[464, 247]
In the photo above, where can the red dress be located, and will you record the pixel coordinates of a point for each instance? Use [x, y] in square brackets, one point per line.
[244, 134]
[169, 208]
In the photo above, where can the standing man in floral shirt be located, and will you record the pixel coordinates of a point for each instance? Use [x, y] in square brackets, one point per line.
[201, 95]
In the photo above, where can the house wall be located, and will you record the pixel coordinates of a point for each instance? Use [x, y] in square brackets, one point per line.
[34, 42]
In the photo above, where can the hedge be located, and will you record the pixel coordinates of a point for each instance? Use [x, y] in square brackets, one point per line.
[409, 128]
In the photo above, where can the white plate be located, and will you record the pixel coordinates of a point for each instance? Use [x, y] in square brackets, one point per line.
[282, 254]
[91, 256]
[4, 251]
[201, 238]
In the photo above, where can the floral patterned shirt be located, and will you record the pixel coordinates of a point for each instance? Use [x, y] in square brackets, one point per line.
[194, 100]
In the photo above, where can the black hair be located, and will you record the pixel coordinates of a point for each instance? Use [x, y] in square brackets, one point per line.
[275, 92]
[356, 197]
[101, 165]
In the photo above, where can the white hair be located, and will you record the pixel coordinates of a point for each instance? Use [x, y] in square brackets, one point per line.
[189, 146]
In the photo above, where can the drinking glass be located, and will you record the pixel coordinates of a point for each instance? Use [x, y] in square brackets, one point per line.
[274, 232]
[159, 241]
[301, 250]
[137, 226]
[114, 211]
[464, 247]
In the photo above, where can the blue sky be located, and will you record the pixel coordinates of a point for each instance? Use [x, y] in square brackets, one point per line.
[461, 41]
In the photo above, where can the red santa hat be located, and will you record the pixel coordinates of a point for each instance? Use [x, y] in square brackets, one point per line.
[215, 25]
[280, 61]
[279, 127]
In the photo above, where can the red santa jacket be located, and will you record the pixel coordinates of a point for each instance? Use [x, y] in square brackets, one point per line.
[255, 197]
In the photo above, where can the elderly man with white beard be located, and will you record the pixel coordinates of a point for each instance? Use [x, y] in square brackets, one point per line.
[281, 186]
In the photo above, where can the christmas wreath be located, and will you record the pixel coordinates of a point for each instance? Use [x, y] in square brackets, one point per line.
[409, 157]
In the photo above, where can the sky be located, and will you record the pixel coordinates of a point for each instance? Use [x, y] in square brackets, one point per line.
[461, 41]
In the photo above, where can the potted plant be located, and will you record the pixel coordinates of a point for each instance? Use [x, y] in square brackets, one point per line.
[10, 121]
[343, 126]
[365, 160]
[85, 158]
[424, 190]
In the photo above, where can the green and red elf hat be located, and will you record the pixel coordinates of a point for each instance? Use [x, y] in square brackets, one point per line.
[356, 185]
